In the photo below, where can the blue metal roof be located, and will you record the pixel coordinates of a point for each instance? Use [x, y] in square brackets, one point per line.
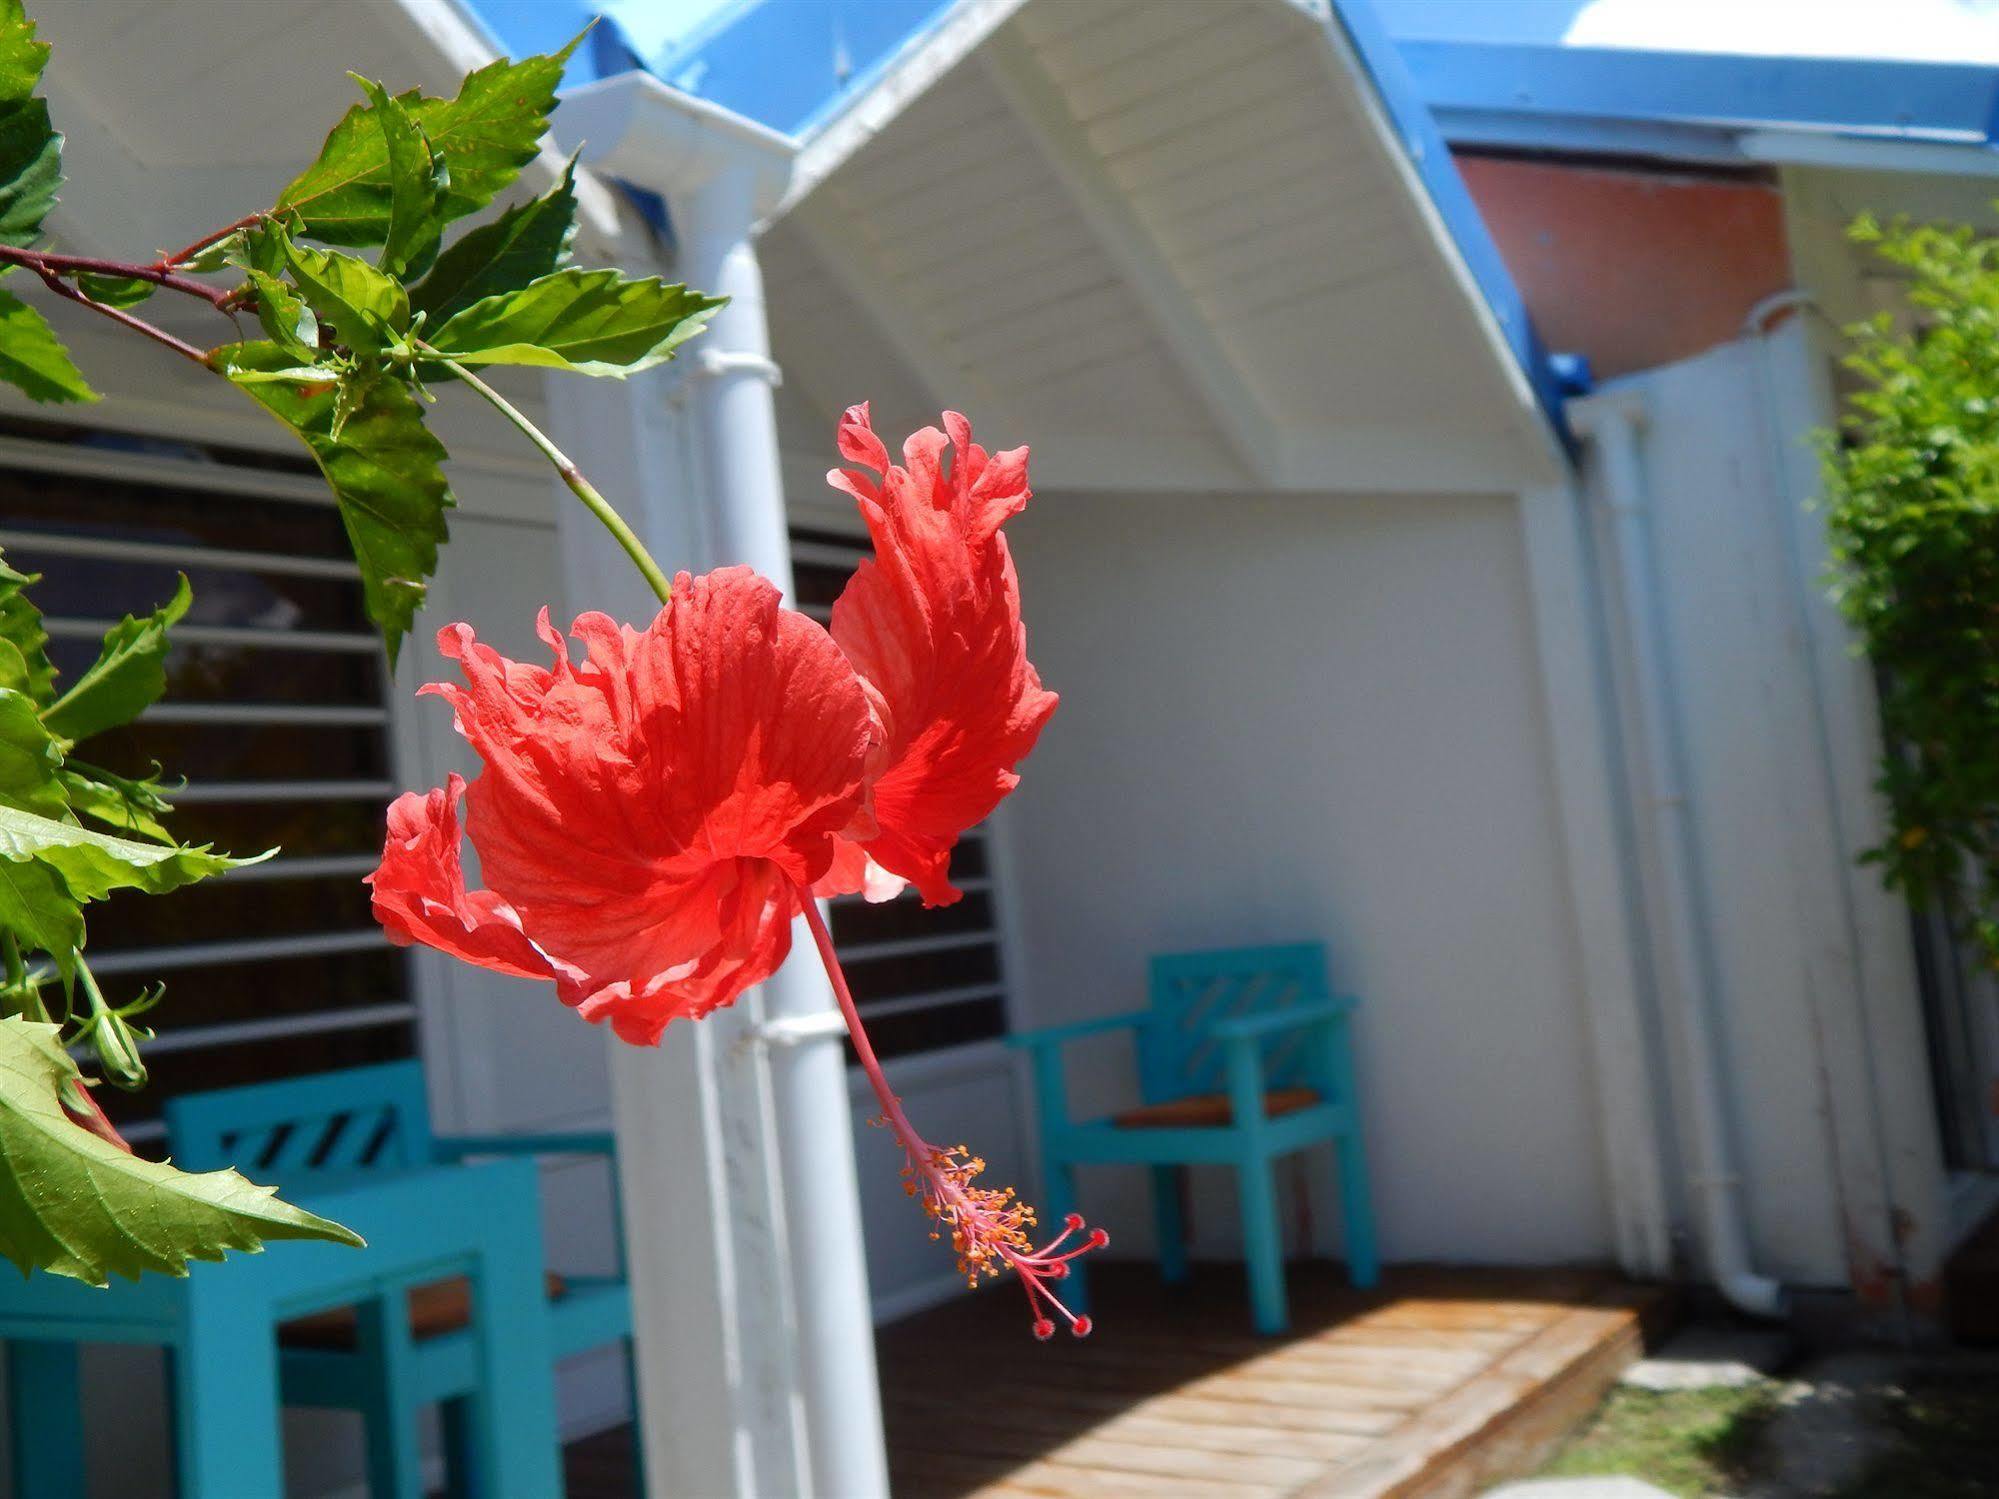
[1687, 103]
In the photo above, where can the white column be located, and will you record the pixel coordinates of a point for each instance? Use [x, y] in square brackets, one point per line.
[717, 1402]
[735, 421]
[756, 1343]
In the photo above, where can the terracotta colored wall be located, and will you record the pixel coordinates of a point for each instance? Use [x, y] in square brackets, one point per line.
[1631, 268]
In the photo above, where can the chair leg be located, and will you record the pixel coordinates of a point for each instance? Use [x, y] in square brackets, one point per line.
[1357, 1213]
[1262, 1244]
[638, 1436]
[389, 1413]
[1169, 1217]
[1060, 1186]
[47, 1420]
[227, 1437]
[455, 1420]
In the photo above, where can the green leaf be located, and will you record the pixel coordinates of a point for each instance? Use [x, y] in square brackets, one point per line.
[30, 759]
[116, 291]
[286, 317]
[488, 133]
[127, 677]
[589, 322]
[74, 1204]
[417, 183]
[130, 806]
[93, 864]
[22, 58]
[24, 664]
[36, 907]
[528, 241]
[367, 309]
[383, 469]
[30, 171]
[33, 358]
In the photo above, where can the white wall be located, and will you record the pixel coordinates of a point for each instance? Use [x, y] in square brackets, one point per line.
[1318, 717]
[1820, 1024]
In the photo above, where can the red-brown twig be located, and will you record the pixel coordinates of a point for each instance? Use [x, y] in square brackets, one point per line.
[45, 263]
[63, 289]
[181, 257]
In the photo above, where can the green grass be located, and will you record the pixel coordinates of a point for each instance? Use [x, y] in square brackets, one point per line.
[1946, 1443]
[1692, 1443]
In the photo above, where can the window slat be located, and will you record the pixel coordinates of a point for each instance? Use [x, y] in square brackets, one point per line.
[248, 950]
[64, 628]
[281, 791]
[59, 544]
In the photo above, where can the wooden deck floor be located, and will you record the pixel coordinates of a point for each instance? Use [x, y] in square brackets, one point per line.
[1429, 1388]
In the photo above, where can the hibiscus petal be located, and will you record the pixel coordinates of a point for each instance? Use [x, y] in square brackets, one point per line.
[645, 809]
[933, 624]
[419, 892]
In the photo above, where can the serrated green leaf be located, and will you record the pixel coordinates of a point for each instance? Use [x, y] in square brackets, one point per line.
[285, 315]
[22, 58]
[366, 308]
[115, 291]
[588, 322]
[384, 472]
[33, 358]
[528, 241]
[35, 906]
[487, 133]
[30, 759]
[416, 182]
[130, 806]
[24, 666]
[93, 864]
[30, 171]
[127, 677]
[74, 1204]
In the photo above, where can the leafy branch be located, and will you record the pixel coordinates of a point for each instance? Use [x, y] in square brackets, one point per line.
[350, 347]
[1912, 481]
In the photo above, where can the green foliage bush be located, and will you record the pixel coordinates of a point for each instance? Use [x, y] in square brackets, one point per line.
[1912, 483]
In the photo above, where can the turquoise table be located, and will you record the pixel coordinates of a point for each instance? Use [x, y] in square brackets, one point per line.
[219, 1328]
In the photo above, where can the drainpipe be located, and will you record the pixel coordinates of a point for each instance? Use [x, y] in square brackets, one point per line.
[719, 174]
[1676, 896]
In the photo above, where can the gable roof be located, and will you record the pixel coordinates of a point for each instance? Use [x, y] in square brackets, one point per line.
[836, 73]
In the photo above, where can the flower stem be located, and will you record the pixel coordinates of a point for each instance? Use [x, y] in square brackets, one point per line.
[863, 1048]
[572, 476]
[987, 1228]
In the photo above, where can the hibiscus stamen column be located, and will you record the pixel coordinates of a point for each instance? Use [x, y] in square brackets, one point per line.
[988, 1227]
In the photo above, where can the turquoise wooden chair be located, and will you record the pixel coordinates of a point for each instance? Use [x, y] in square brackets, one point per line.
[377, 1118]
[219, 1328]
[1244, 1056]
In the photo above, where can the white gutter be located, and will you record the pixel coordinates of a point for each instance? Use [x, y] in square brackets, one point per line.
[720, 174]
[1675, 894]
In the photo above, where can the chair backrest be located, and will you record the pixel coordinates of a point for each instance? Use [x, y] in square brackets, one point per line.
[360, 1119]
[1190, 991]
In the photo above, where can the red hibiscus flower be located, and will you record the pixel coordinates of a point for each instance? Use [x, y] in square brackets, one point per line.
[650, 817]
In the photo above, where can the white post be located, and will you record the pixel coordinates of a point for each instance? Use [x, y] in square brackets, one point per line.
[716, 1402]
[746, 1192]
[735, 420]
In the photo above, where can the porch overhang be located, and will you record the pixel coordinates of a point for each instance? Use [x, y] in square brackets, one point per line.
[1174, 248]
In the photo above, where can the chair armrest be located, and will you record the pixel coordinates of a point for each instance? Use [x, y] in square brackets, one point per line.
[1058, 1035]
[576, 1142]
[1250, 1027]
